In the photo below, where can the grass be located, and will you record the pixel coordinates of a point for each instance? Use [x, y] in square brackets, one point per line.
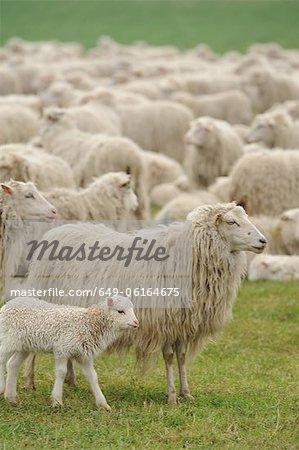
[223, 24]
[245, 389]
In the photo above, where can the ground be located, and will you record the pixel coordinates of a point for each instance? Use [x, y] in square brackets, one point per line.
[223, 24]
[245, 389]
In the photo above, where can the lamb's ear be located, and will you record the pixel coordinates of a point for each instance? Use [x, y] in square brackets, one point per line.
[218, 218]
[7, 189]
[109, 302]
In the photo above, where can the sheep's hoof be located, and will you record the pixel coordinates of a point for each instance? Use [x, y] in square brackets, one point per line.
[171, 399]
[12, 400]
[2, 389]
[56, 403]
[186, 396]
[105, 406]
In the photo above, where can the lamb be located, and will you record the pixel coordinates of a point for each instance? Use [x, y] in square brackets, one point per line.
[69, 332]
[181, 206]
[157, 126]
[232, 106]
[274, 267]
[267, 182]
[108, 197]
[213, 148]
[17, 123]
[19, 202]
[220, 235]
[28, 163]
[161, 169]
[91, 155]
[275, 129]
[165, 192]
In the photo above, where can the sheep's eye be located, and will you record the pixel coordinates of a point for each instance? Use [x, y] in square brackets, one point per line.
[121, 312]
[29, 195]
[125, 185]
[232, 222]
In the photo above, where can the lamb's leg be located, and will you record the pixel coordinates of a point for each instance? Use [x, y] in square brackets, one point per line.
[70, 377]
[13, 367]
[60, 373]
[29, 372]
[89, 372]
[168, 354]
[181, 359]
[4, 357]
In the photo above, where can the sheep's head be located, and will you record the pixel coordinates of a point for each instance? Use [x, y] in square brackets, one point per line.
[237, 230]
[289, 223]
[27, 202]
[120, 309]
[266, 126]
[202, 133]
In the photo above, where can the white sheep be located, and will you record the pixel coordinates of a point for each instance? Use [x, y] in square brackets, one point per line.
[17, 123]
[221, 189]
[275, 129]
[91, 155]
[108, 197]
[220, 235]
[266, 182]
[165, 192]
[232, 106]
[70, 332]
[274, 267]
[161, 169]
[213, 148]
[27, 163]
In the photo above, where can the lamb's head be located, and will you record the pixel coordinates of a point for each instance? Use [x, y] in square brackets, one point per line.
[202, 133]
[121, 311]
[26, 201]
[229, 223]
[267, 126]
[289, 224]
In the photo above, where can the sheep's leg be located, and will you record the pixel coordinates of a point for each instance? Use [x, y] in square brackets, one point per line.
[181, 359]
[13, 367]
[29, 372]
[89, 372]
[60, 373]
[4, 357]
[70, 377]
[168, 354]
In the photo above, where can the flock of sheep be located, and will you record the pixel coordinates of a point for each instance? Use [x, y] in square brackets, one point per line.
[105, 134]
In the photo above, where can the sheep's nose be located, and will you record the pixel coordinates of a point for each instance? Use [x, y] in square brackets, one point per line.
[263, 241]
[136, 323]
[54, 211]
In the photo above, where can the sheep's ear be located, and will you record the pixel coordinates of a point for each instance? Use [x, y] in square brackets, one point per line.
[285, 217]
[109, 302]
[6, 189]
[54, 115]
[218, 218]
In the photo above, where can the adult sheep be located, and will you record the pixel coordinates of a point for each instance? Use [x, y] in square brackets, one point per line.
[91, 155]
[17, 123]
[266, 182]
[275, 129]
[27, 163]
[220, 235]
[108, 197]
[158, 126]
[232, 106]
[213, 148]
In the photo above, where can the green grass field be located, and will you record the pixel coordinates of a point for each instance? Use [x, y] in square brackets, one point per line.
[223, 24]
[245, 387]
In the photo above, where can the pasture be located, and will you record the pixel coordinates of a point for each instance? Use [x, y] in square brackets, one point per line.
[245, 390]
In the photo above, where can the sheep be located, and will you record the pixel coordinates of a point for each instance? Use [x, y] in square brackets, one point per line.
[161, 169]
[108, 197]
[157, 126]
[181, 206]
[165, 192]
[267, 182]
[265, 88]
[61, 94]
[275, 129]
[9, 81]
[91, 155]
[274, 267]
[28, 101]
[221, 189]
[28, 163]
[220, 235]
[17, 123]
[232, 106]
[19, 203]
[242, 131]
[69, 332]
[213, 148]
